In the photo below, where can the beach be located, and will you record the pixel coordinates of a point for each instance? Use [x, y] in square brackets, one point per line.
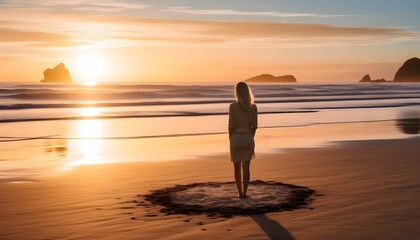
[289, 120]
[368, 189]
[76, 162]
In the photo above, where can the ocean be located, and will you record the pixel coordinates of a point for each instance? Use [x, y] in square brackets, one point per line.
[49, 128]
[44, 102]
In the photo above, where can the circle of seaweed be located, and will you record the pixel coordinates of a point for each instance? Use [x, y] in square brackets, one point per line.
[299, 197]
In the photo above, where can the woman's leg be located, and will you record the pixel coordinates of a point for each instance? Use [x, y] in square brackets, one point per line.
[245, 169]
[237, 167]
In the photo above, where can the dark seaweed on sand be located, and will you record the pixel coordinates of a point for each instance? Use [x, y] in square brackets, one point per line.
[299, 198]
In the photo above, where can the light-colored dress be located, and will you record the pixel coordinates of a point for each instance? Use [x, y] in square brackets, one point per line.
[242, 123]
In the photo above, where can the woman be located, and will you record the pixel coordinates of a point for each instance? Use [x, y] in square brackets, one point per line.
[243, 122]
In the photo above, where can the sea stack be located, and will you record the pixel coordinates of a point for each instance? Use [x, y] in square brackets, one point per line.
[409, 71]
[366, 78]
[272, 79]
[59, 74]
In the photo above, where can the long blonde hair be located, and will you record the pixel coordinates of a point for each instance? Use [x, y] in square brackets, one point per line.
[243, 95]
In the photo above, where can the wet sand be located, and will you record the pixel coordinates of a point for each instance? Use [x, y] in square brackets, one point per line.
[371, 188]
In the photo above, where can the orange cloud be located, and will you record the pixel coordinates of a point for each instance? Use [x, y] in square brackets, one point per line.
[189, 10]
[15, 35]
[66, 28]
[271, 33]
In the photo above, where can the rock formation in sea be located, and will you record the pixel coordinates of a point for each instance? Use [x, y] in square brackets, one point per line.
[367, 78]
[59, 74]
[409, 71]
[272, 79]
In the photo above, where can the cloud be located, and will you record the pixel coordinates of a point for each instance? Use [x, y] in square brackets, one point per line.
[273, 33]
[228, 12]
[15, 35]
[169, 39]
[75, 5]
[64, 28]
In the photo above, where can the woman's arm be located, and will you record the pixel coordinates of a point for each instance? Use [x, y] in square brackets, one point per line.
[254, 125]
[231, 121]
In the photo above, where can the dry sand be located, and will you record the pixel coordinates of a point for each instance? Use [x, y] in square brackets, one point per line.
[223, 195]
[371, 188]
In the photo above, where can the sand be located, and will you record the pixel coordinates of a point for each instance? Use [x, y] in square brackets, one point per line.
[371, 191]
[221, 195]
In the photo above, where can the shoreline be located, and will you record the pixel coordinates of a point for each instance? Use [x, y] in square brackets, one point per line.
[53, 137]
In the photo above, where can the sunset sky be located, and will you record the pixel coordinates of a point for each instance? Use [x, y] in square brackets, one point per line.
[212, 41]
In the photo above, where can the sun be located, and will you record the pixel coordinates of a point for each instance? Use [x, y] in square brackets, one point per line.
[90, 68]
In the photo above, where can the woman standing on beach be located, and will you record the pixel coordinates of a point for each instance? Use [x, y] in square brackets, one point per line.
[243, 122]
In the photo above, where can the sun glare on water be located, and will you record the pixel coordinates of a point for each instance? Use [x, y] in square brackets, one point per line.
[90, 68]
[87, 148]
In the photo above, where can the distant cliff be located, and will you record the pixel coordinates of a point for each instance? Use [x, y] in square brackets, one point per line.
[59, 74]
[408, 72]
[270, 78]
